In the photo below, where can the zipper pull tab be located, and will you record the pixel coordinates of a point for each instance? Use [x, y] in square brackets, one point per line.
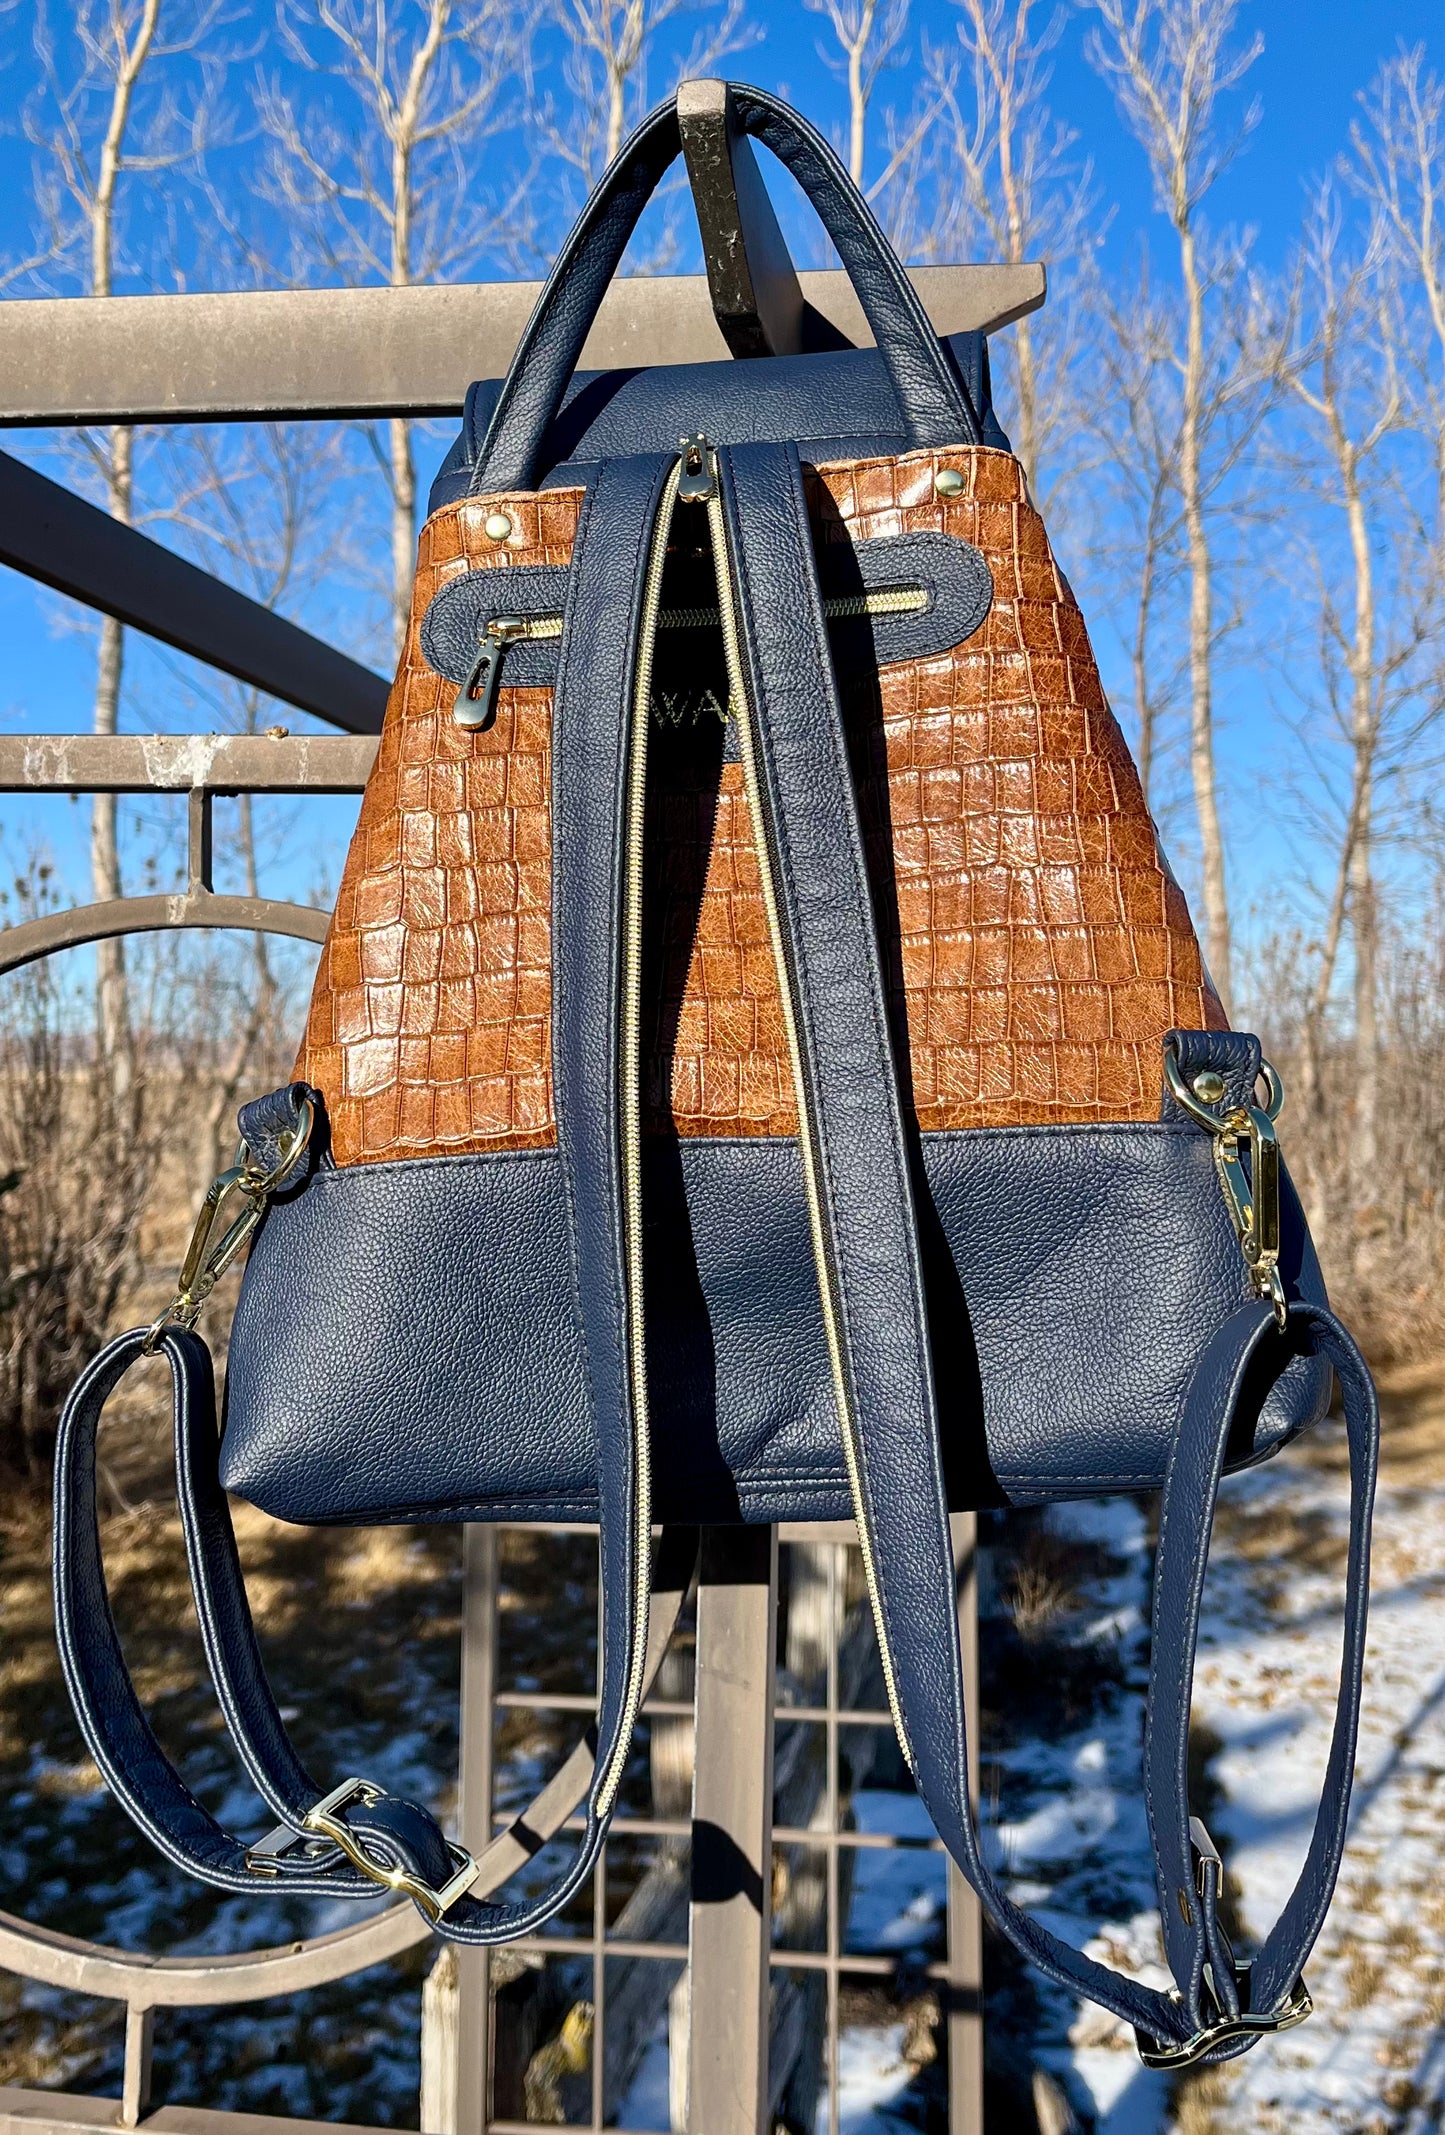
[476, 701]
[697, 483]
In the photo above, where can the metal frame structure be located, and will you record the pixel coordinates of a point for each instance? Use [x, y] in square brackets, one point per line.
[403, 352]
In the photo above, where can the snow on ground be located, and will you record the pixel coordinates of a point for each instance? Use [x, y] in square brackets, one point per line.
[1071, 1835]
[1075, 1835]
[872, 2075]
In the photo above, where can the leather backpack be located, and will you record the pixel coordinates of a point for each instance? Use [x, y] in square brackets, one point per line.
[761, 1068]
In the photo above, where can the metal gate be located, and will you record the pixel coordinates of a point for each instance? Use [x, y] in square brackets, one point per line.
[737, 1964]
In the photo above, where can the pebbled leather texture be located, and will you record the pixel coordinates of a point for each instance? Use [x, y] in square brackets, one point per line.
[452, 626]
[1235, 1055]
[1023, 1229]
[1246, 1351]
[840, 404]
[1033, 934]
[394, 1833]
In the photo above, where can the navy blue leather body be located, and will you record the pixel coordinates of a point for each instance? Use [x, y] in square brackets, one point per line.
[406, 1344]
[841, 403]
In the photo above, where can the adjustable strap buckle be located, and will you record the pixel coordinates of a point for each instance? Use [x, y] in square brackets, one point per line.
[1220, 2029]
[269, 1857]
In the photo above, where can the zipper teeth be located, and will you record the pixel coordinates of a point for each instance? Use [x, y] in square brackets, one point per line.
[741, 706]
[631, 1125]
[888, 600]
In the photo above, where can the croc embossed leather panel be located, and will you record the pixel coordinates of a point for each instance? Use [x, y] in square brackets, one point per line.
[1038, 944]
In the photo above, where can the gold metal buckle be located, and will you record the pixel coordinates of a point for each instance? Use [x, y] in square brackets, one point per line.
[1251, 1196]
[1160, 2053]
[207, 1261]
[268, 1857]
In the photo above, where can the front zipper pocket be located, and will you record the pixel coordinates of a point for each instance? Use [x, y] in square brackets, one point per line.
[475, 706]
[887, 598]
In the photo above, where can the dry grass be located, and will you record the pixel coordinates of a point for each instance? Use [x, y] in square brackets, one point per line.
[1044, 1585]
[1201, 2104]
[1363, 1975]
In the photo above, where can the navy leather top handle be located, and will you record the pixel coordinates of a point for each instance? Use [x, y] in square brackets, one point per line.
[932, 398]
[869, 1267]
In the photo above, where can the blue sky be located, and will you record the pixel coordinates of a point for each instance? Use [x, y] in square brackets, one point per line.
[1317, 58]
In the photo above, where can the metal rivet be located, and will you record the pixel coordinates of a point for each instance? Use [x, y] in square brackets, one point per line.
[498, 526]
[1209, 1086]
[948, 482]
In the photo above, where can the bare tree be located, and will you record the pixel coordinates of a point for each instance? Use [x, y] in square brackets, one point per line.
[87, 122]
[1137, 432]
[1348, 387]
[1022, 194]
[611, 48]
[867, 38]
[1169, 64]
[390, 187]
[1398, 164]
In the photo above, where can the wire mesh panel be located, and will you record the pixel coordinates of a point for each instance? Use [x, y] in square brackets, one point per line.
[867, 1987]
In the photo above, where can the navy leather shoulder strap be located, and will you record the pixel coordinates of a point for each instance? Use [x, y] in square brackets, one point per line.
[591, 727]
[870, 1276]
[397, 1835]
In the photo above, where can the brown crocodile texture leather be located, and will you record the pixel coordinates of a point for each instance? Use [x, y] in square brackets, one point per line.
[430, 1026]
[1039, 947]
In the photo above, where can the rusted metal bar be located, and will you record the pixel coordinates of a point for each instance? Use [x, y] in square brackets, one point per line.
[731, 1913]
[78, 549]
[275, 762]
[358, 352]
[202, 766]
[207, 1982]
[84, 923]
[26, 2112]
[200, 846]
[480, 1574]
[753, 284]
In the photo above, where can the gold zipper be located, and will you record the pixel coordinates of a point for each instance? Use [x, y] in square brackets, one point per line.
[886, 600]
[694, 478]
[476, 700]
[630, 1077]
[741, 707]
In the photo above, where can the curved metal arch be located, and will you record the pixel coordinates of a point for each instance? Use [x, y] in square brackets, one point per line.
[82, 923]
[146, 1982]
[150, 1982]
